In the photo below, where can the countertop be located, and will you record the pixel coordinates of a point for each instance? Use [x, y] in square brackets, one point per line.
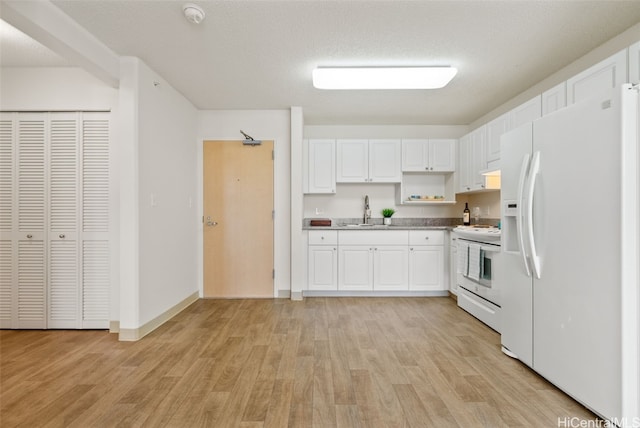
[396, 224]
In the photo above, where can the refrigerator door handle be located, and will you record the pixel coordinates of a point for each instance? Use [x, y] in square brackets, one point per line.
[520, 215]
[533, 172]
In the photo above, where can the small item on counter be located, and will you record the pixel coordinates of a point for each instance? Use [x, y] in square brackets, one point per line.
[320, 222]
[466, 215]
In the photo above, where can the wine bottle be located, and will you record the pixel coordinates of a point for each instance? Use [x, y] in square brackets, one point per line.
[466, 215]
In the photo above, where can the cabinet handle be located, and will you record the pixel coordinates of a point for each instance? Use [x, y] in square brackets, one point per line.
[411, 249]
[335, 249]
[426, 167]
[322, 237]
[431, 168]
[29, 236]
[61, 236]
[426, 237]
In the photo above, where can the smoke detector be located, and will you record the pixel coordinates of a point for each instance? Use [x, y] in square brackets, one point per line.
[193, 13]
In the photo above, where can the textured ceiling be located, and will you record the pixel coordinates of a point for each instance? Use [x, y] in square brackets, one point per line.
[260, 54]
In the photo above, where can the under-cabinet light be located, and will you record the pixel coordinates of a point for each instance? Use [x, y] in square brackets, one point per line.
[382, 77]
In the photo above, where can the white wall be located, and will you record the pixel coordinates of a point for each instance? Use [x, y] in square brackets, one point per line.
[53, 88]
[262, 125]
[167, 183]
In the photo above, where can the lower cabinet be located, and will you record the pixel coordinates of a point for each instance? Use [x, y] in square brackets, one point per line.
[390, 268]
[425, 268]
[323, 260]
[395, 260]
[356, 267]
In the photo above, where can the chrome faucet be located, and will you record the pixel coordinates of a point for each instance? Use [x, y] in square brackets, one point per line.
[367, 210]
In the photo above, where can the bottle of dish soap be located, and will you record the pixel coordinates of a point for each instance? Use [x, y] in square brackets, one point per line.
[466, 215]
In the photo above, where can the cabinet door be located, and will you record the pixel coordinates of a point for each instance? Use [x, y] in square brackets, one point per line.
[464, 170]
[390, 267]
[322, 166]
[356, 267]
[526, 112]
[385, 161]
[602, 77]
[352, 161]
[453, 266]
[442, 155]
[495, 129]
[634, 63]
[323, 267]
[478, 157]
[426, 268]
[554, 99]
[415, 155]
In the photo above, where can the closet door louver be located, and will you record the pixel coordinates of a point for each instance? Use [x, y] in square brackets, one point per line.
[7, 270]
[64, 275]
[95, 220]
[32, 280]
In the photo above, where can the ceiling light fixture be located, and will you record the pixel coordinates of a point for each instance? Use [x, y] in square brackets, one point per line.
[193, 13]
[382, 77]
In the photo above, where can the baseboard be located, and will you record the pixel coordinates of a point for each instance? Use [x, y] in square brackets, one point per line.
[296, 295]
[354, 293]
[114, 326]
[284, 294]
[454, 296]
[133, 334]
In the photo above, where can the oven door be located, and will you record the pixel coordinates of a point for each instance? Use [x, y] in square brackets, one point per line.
[483, 274]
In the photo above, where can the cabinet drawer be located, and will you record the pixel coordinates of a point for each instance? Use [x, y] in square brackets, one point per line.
[381, 237]
[426, 237]
[323, 237]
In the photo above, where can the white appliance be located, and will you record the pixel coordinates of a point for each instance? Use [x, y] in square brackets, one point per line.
[569, 275]
[478, 252]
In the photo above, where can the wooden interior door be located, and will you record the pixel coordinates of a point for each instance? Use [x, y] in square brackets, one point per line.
[238, 219]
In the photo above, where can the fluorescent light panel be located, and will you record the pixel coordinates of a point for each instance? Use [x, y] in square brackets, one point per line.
[382, 77]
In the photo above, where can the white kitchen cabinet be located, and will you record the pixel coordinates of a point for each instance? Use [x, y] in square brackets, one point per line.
[478, 149]
[359, 264]
[54, 221]
[495, 129]
[634, 63]
[390, 267]
[426, 260]
[453, 263]
[369, 161]
[433, 155]
[526, 112]
[598, 79]
[554, 98]
[464, 164]
[323, 260]
[356, 267]
[321, 172]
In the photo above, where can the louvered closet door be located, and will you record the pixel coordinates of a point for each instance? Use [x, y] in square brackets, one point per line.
[7, 204]
[95, 220]
[29, 297]
[64, 294]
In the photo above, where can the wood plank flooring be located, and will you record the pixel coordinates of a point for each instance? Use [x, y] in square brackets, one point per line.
[323, 362]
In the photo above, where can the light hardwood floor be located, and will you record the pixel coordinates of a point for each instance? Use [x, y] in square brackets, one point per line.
[323, 362]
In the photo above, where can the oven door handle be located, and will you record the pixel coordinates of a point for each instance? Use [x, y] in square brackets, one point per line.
[520, 215]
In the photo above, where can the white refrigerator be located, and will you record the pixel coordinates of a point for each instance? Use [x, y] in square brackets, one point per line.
[570, 225]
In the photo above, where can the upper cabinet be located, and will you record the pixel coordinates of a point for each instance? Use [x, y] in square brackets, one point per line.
[432, 155]
[554, 99]
[369, 161]
[495, 129]
[603, 76]
[526, 112]
[634, 63]
[321, 171]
